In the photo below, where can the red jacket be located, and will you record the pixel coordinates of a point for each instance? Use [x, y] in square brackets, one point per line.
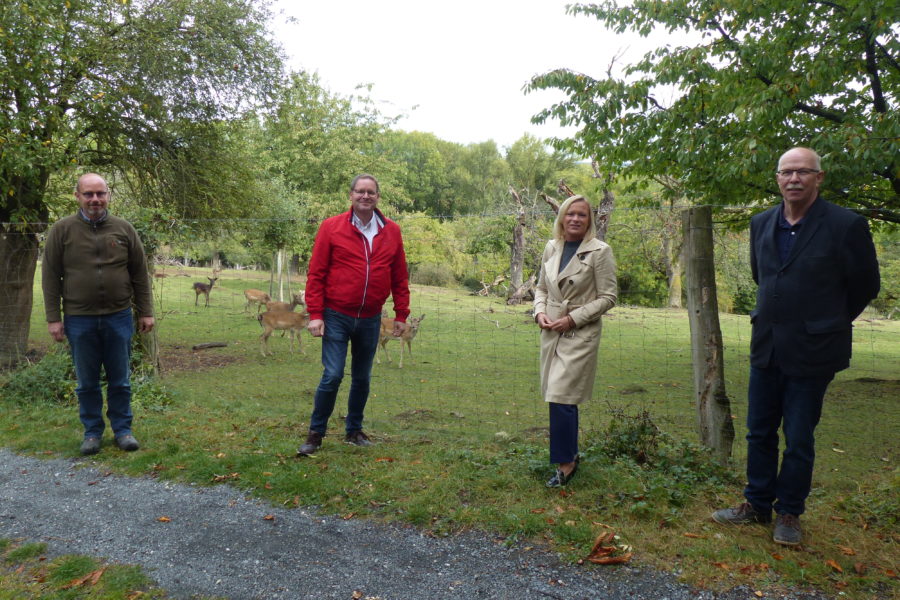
[348, 276]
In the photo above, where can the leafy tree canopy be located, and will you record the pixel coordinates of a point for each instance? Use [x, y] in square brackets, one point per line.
[763, 77]
[106, 83]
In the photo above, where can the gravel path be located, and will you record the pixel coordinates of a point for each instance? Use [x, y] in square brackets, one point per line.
[218, 542]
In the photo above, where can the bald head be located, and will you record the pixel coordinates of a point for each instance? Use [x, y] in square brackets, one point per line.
[92, 194]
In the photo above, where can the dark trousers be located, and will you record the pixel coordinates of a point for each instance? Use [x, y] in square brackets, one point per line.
[795, 404]
[563, 432]
[102, 341]
[362, 336]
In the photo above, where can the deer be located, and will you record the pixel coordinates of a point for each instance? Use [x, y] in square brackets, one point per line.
[257, 297]
[202, 288]
[298, 299]
[387, 334]
[293, 323]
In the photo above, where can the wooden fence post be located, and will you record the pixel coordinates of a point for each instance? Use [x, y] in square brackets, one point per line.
[714, 420]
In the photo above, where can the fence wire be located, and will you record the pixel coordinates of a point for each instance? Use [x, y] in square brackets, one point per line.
[475, 359]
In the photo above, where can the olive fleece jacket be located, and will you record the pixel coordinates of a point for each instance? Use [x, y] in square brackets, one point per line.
[94, 268]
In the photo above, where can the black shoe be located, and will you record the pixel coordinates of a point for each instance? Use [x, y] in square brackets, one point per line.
[560, 479]
[743, 514]
[358, 438]
[787, 530]
[90, 446]
[127, 443]
[313, 443]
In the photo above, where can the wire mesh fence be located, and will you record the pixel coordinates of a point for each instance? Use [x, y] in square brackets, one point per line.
[475, 359]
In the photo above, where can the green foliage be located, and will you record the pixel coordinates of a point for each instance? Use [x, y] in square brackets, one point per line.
[102, 81]
[50, 380]
[433, 274]
[666, 473]
[755, 81]
[878, 505]
[150, 393]
[25, 552]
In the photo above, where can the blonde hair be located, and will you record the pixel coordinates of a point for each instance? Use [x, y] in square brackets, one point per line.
[559, 226]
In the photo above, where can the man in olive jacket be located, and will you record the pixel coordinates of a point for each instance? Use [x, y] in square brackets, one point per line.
[816, 269]
[92, 269]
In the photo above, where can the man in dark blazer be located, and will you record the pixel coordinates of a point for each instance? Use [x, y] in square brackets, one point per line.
[816, 269]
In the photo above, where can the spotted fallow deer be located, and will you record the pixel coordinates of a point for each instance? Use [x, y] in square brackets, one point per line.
[387, 334]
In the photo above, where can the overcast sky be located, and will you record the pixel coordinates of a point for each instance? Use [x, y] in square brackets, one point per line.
[456, 69]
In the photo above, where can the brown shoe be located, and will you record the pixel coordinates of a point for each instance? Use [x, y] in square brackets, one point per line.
[787, 530]
[313, 443]
[358, 438]
[743, 514]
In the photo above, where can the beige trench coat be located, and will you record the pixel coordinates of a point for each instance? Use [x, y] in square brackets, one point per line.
[584, 290]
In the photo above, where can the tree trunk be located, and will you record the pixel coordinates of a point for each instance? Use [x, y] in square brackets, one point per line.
[673, 272]
[517, 251]
[147, 344]
[714, 421]
[18, 261]
[603, 213]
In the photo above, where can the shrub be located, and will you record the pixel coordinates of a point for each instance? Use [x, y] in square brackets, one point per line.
[50, 380]
[432, 274]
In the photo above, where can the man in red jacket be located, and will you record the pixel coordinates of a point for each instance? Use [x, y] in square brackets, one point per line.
[357, 262]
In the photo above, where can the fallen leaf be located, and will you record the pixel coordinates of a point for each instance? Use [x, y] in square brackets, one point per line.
[384, 459]
[694, 535]
[266, 474]
[859, 568]
[838, 450]
[93, 577]
[758, 594]
[164, 519]
[777, 556]
[831, 563]
[134, 595]
[723, 566]
[847, 550]
[611, 560]
[538, 511]
[269, 518]
[838, 519]
[890, 573]
[348, 516]
[220, 455]
[559, 509]
[356, 595]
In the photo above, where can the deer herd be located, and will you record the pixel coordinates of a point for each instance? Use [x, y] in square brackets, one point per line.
[281, 316]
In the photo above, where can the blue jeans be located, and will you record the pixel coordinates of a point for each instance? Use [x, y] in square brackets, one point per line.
[563, 432]
[362, 335]
[102, 340]
[776, 399]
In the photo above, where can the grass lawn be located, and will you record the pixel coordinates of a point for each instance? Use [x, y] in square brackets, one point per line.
[461, 438]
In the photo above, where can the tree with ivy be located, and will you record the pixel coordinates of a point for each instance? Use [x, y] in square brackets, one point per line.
[119, 86]
[758, 79]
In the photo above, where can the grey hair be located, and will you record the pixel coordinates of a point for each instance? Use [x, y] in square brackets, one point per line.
[364, 176]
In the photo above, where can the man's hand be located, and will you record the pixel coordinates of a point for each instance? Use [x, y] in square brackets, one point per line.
[57, 332]
[399, 328]
[316, 328]
[145, 324]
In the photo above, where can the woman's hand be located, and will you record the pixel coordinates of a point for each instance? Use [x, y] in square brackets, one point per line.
[561, 325]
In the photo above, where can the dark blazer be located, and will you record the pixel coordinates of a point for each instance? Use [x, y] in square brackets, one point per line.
[805, 307]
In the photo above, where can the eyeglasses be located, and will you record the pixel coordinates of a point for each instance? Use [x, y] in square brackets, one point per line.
[98, 195]
[365, 192]
[789, 173]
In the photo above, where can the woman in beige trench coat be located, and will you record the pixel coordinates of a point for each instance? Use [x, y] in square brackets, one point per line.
[577, 285]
